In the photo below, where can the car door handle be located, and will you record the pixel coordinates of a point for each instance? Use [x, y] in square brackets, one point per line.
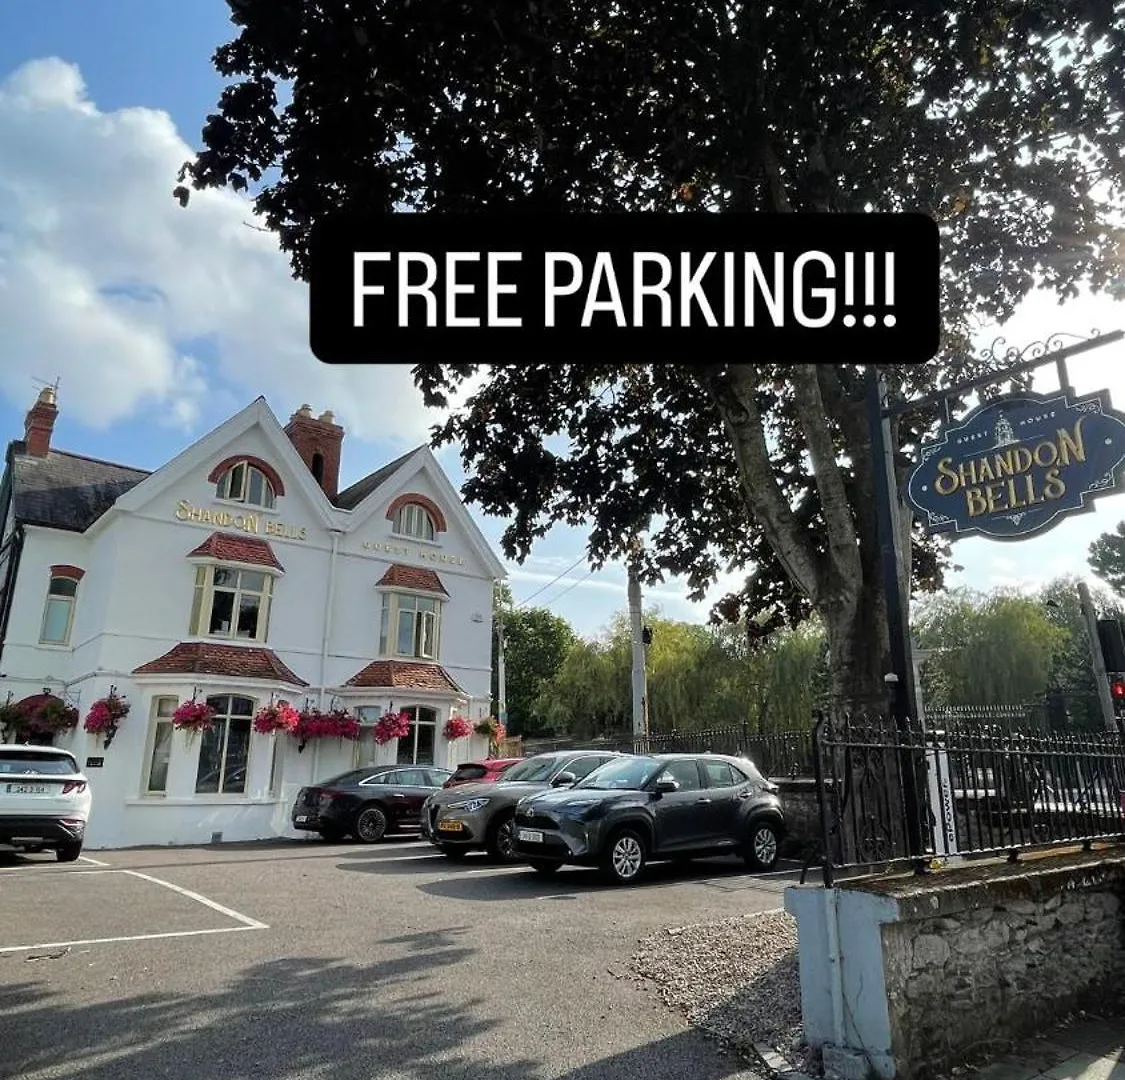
[397, 795]
[702, 801]
[744, 795]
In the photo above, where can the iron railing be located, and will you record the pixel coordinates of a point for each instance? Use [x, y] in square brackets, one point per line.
[976, 789]
[776, 753]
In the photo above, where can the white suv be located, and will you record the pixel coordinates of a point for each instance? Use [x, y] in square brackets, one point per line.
[44, 800]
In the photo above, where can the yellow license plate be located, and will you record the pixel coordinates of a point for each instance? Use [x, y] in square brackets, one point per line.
[450, 826]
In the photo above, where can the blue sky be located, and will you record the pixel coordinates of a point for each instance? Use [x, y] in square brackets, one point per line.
[161, 322]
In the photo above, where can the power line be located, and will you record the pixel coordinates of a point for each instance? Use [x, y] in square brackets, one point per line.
[576, 581]
[581, 559]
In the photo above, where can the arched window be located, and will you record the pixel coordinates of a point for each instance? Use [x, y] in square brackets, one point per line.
[417, 748]
[318, 468]
[58, 612]
[413, 519]
[246, 483]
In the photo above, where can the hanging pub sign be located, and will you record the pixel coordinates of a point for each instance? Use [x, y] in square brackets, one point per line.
[1019, 465]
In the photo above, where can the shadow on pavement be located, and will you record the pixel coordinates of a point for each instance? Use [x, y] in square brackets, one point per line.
[299, 1019]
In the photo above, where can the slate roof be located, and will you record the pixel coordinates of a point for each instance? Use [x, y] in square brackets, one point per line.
[405, 673]
[351, 497]
[413, 577]
[234, 661]
[227, 547]
[66, 491]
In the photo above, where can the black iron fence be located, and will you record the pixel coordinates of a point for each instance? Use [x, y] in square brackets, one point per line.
[776, 753]
[962, 789]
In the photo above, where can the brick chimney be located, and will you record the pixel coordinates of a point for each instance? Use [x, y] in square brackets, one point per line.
[318, 440]
[40, 423]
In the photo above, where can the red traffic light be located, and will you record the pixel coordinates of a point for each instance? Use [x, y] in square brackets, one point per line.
[1117, 688]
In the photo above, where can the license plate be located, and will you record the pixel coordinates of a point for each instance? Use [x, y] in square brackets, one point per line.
[27, 789]
[450, 826]
[302, 818]
[531, 836]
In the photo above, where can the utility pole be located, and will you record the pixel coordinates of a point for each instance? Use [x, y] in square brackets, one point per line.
[501, 684]
[1101, 676]
[640, 688]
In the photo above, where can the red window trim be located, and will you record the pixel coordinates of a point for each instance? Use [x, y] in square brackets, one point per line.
[74, 573]
[264, 467]
[422, 500]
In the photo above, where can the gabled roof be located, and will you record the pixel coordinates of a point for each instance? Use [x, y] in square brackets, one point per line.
[413, 577]
[232, 661]
[351, 497]
[228, 547]
[212, 447]
[66, 491]
[406, 674]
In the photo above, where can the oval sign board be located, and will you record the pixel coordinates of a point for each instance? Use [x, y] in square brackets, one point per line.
[1019, 465]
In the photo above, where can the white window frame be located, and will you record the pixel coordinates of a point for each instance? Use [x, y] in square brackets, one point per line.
[415, 521]
[59, 598]
[223, 719]
[414, 712]
[242, 471]
[396, 604]
[160, 714]
[203, 599]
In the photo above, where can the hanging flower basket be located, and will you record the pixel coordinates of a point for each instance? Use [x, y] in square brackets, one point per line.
[194, 716]
[493, 730]
[52, 717]
[279, 717]
[391, 726]
[12, 721]
[105, 715]
[333, 724]
[457, 727]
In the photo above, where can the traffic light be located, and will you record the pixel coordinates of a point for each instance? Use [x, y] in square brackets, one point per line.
[1112, 643]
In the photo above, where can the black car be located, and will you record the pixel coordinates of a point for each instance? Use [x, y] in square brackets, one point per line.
[367, 803]
[652, 807]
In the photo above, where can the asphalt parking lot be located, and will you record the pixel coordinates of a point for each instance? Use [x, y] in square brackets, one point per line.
[302, 960]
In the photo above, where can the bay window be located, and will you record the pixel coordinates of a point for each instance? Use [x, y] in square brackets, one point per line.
[410, 626]
[231, 603]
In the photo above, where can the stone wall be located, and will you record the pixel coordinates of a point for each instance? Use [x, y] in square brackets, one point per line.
[907, 976]
[1005, 956]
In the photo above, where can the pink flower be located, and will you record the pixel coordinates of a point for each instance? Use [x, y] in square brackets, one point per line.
[194, 716]
[279, 717]
[457, 727]
[392, 726]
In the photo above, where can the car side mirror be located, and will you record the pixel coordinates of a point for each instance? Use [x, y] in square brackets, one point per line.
[564, 779]
[666, 786]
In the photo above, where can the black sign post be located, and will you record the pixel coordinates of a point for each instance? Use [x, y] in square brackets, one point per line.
[1013, 468]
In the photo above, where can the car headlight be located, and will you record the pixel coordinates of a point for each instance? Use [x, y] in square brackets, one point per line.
[470, 806]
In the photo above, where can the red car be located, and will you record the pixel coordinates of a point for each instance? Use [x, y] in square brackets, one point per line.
[480, 772]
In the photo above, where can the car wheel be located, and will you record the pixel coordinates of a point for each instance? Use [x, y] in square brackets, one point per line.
[68, 852]
[370, 825]
[452, 851]
[763, 846]
[501, 841]
[624, 857]
[544, 868]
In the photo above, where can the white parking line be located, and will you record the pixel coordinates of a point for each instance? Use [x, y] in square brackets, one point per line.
[230, 913]
[95, 862]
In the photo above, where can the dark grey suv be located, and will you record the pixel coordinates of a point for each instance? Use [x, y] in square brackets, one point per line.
[463, 819]
[663, 806]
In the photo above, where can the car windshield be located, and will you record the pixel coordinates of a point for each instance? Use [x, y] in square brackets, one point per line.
[533, 769]
[15, 762]
[624, 774]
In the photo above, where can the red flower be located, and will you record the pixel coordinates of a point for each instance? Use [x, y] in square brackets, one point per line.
[334, 724]
[194, 716]
[106, 713]
[279, 717]
[392, 726]
[457, 727]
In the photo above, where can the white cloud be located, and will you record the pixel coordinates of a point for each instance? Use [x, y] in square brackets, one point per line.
[106, 281]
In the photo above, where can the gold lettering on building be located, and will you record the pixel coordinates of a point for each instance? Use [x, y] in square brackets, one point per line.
[417, 553]
[255, 524]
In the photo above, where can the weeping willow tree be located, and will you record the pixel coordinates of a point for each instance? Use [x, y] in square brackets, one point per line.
[996, 649]
[698, 677]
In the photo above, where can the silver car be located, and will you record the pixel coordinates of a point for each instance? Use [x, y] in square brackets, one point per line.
[474, 816]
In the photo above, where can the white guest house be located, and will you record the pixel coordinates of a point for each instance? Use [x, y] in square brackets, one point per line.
[239, 577]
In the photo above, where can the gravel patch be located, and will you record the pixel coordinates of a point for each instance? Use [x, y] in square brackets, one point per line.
[735, 979]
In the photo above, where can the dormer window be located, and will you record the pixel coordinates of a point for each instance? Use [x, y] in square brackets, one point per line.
[413, 519]
[246, 483]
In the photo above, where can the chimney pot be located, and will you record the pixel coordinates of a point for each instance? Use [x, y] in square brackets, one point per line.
[328, 417]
